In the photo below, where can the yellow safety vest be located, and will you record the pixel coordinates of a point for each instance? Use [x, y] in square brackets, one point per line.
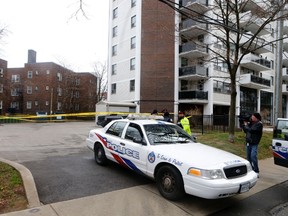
[186, 125]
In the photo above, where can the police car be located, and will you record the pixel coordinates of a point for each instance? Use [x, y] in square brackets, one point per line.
[280, 142]
[167, 154]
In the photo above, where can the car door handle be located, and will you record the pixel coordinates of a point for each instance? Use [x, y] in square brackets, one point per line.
[278, 144]
[123, 144]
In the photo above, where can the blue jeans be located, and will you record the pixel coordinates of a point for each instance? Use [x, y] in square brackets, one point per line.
[252, 153]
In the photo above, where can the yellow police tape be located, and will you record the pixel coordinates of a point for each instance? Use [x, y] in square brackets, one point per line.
[58, 117]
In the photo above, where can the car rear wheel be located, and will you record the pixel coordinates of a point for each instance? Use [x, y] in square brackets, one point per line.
[170, 183]
[99, 154]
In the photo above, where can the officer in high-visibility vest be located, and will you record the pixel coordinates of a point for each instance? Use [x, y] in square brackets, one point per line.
[184, 122]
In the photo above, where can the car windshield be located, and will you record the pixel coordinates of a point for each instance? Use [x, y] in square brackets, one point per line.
[166, 134]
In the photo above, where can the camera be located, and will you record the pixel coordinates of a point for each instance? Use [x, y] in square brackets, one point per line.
[244, 118]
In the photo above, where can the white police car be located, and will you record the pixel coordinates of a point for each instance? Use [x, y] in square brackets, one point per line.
[166, 153]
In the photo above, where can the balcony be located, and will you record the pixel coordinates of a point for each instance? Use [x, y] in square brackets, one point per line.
[194, 96]
[191, 29]
[194, 7]
[192, 50]
[255, 82]
[285, 89]
[285, 59]
[285, 74]
[285, 42]
[258, 45]
[195, 72]
[252, 23]
[256, 63]
[255, 6]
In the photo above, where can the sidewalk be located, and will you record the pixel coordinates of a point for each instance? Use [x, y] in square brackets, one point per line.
[140, 200]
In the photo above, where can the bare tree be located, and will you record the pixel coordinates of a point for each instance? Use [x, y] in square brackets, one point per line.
[230, 23]
[100, 71]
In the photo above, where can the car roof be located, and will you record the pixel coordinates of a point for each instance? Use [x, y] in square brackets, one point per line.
[145, 121]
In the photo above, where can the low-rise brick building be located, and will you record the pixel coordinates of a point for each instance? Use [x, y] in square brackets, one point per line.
[46, 87]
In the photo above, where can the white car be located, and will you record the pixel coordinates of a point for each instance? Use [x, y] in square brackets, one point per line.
[166, 153]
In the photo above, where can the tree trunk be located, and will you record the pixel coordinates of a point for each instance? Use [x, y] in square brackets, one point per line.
[232, 109]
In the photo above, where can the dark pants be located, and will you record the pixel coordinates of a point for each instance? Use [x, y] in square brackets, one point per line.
[252, 153]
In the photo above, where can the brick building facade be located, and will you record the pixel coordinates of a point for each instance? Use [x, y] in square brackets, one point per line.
[46, 87]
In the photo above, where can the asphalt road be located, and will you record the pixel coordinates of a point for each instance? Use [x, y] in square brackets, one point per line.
[63, 168]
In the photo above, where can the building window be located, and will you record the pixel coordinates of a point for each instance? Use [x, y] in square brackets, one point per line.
[1, 104]
[132, 85]
[113, 88]
[133, 43]
[115, 13]
[59, 91]
[59, 105]
[15, 78]
[29, 89]
[132, 64]
[30, 74]
[133, 21]
[114, 50]
[114, 69]
[36, 88]
[36, 103]
[221, 87]
[77, 94]
[133, 3]
[47, 103]
[115, 31]
[14, 92]
[14, 105]
[47, 72]
[59, 76]
[47, 88]
[1, 88]
[77, 82]
[1, 72]
[77, 107]
[29, 105]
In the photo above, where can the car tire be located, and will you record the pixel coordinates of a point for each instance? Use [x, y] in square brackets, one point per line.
[170, 183]
[99, 155]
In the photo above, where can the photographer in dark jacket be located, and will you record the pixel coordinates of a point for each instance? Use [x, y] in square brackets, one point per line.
[253, 130]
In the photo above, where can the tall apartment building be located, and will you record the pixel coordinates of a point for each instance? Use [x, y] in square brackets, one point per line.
[152, 64]
[46, 87]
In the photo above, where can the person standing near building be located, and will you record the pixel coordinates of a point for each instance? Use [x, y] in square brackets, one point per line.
[183, 122]
[253, 130]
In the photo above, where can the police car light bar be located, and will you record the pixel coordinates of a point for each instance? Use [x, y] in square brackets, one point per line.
[143, 117]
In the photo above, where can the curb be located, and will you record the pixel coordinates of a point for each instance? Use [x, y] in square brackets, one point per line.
[28, 181]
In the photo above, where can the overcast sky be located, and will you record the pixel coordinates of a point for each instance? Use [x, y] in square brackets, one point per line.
[46, 26]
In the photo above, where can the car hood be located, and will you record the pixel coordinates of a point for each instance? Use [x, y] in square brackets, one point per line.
[196, 155]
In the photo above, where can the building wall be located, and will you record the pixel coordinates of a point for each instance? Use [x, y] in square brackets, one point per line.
[50, 88]
[3, 89]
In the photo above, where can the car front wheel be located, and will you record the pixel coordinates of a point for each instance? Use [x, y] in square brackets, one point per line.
[99, 154]
[170, 183]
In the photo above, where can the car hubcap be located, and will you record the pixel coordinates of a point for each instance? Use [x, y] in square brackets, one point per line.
[168, 183]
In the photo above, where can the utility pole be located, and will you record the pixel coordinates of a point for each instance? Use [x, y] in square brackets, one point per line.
[278, 72]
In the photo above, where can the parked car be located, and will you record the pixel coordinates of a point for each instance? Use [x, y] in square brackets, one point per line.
[280, 142]
[105, 119]
[166, 153]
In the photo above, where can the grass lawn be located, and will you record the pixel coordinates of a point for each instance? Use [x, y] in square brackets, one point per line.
[12, 192]
[221, 140]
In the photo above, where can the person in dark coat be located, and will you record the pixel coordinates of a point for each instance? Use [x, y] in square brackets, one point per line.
[253, 130]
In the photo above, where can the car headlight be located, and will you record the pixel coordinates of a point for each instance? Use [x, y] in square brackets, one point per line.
[207, 174]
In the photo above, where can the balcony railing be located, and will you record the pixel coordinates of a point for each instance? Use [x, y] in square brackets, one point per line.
[260, 80]
[193, 70]
[192, 47]
[188, 2]
[263, 62]
[191, 23]
[200, 95]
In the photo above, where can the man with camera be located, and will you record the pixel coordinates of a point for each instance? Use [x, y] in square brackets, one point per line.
[253, 130]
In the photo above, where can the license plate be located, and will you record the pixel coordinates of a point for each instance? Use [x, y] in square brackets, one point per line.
[244, 187]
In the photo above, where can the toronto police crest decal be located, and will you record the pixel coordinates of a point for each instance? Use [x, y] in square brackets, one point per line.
[151, 157]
